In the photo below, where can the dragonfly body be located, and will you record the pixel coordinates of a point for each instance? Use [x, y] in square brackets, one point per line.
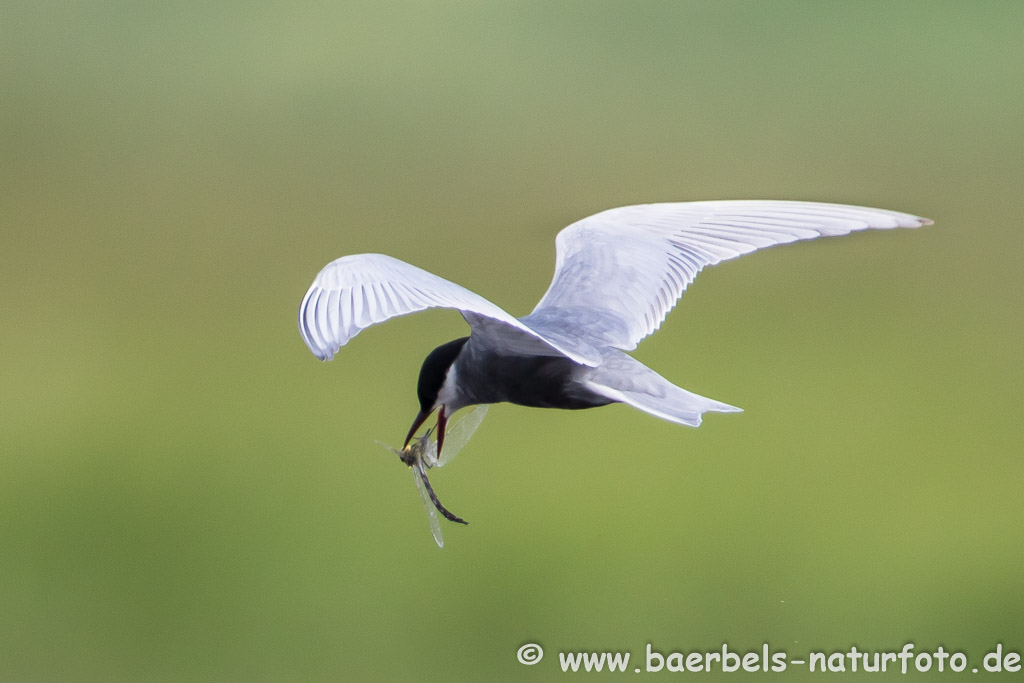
[421, 454]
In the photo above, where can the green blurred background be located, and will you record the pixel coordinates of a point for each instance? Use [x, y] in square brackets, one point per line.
[187, 494]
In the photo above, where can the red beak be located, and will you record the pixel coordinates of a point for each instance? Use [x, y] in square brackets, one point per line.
[421, 417]
[442, 423]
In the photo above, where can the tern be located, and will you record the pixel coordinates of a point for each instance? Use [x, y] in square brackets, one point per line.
[617, 275]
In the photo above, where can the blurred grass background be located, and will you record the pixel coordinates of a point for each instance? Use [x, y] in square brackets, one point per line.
[186, 494]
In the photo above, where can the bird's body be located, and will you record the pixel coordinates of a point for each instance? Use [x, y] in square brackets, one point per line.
[485, 374]
[617, 275]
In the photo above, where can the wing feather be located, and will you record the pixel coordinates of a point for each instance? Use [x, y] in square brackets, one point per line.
[618, 273]
[355, 292]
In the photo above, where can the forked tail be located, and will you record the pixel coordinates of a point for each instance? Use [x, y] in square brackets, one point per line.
[627, 380]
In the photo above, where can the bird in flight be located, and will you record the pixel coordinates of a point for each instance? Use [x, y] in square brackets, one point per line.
[617, 275]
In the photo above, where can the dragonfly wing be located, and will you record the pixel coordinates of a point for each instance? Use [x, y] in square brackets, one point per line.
[458, 434]
[435, 524]
[429, 454]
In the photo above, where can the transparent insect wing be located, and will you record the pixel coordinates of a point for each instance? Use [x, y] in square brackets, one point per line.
[435, 524]
[458, 435]
[387, 447]
[428, 452]
[422, 454]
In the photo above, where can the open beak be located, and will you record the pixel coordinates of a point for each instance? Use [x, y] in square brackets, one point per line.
[421, 417]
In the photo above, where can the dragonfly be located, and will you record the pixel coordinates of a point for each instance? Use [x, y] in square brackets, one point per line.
[421, 455]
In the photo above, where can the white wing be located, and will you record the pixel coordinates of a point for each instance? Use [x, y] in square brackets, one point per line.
[619, 272]
[354, 292]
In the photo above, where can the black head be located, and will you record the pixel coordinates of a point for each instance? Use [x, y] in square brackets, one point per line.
[433, 371]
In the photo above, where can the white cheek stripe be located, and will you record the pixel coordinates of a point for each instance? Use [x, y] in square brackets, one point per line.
[448, 392]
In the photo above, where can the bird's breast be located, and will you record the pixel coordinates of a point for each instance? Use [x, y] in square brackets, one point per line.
[534, 381]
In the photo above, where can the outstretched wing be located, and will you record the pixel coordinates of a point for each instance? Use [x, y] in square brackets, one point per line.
[354, 292]
[619, 272]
